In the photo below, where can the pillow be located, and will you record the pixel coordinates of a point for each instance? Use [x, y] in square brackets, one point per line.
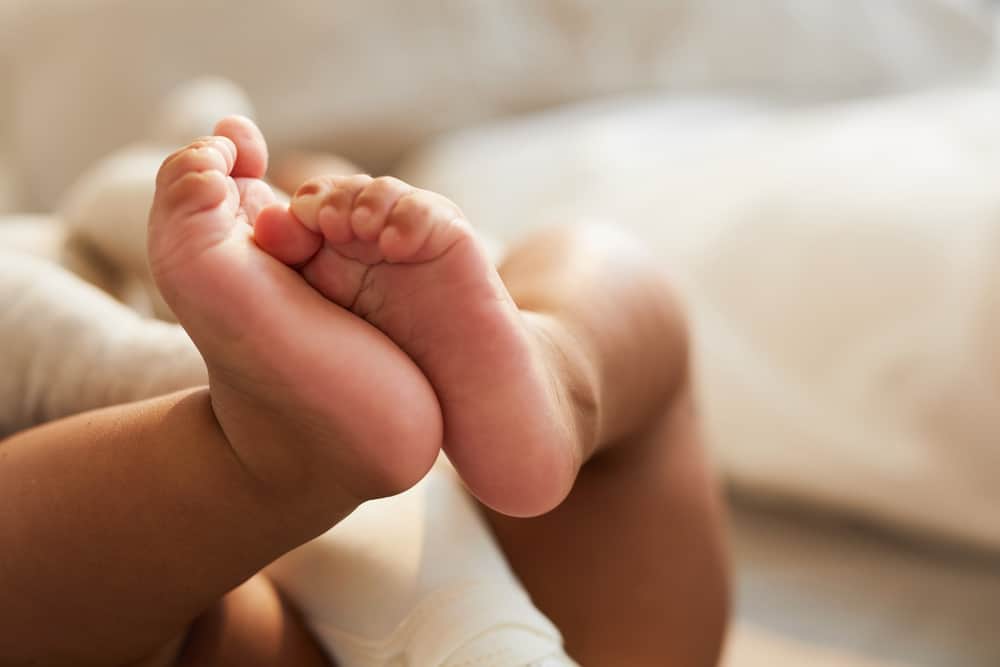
[371, 79]
[841, 266]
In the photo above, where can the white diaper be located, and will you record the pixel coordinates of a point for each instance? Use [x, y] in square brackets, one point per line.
[417, 580]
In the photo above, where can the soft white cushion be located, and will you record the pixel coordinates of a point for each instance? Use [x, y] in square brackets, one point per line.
[841, 266]
[371, 79]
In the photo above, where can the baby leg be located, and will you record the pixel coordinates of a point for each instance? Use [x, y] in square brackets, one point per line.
[631, 566]
[580, 357]
[131, 521]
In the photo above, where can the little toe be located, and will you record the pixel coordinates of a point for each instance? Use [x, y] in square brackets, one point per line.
[323, 204]
[255, 196]
[194, 192]
[195, 204]
[194, 178]
[201, 155]
[279, 233]
[374, 204]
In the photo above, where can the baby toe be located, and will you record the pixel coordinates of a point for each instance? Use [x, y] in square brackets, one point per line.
[374, 204]
[323, 204]
[280, 234]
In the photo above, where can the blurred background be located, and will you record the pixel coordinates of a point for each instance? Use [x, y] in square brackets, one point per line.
[820, 177]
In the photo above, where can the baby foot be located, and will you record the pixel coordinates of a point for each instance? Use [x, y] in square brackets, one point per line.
[407, 262]
[298, 384]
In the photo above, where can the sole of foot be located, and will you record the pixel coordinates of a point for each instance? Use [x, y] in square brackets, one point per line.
[298, 383]
[406, 261]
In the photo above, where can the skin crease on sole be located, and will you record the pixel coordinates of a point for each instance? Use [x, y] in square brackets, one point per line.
[406, 261]
[279, 355]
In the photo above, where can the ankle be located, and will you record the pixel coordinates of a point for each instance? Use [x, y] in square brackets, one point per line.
[575, 378]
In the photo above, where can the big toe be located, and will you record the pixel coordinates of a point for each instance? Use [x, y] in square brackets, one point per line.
[280, 234]
[251, 148]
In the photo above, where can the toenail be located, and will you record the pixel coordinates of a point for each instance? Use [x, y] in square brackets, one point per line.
[307, 189]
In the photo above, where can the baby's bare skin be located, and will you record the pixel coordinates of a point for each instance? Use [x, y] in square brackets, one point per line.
[280, 357]
[406, 261]
[343, 348]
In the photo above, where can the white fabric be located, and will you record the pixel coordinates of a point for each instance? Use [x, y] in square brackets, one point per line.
[68, 347]
[370, 79]
[417, 579]
[35, 235]
[841, 266]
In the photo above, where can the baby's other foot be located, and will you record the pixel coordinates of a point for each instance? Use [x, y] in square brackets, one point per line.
[406, 261]
[298, 384]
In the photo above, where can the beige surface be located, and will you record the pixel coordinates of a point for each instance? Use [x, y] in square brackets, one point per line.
[752, 646]
[815, 587]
